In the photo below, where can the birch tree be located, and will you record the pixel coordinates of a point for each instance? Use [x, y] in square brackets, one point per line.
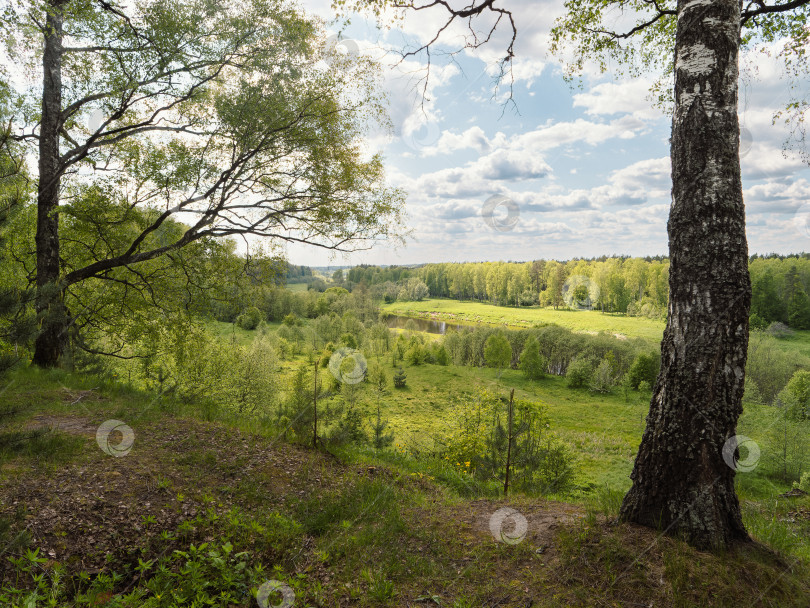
[222, 115]
[681, 482]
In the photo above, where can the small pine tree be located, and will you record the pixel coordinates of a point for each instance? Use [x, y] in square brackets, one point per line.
[381, 439]
[378, 379]
[399, 378]
[297, 412]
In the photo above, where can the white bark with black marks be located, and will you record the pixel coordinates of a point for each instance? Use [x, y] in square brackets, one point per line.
[681, 483]
[52, 336]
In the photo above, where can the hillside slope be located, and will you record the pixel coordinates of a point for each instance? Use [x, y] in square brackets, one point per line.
[209, 510]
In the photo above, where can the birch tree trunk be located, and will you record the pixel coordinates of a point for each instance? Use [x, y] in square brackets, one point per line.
[52, 337]
[681, 483]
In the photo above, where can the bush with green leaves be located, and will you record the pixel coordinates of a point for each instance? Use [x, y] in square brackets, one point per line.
[415, 355]
[442, 358]
[532, 362]
[479, 441]
[796, 395]
[250, 318]
[779, 330]
[579, 373]
[770, 367]
[349, 428]
[603, 378]
[210, 575]
[348, 340]
[377, 378]
[296, 413]
[751, 392]
[497, 351]
[757, 323]
[644, 367]
[804, 484]
[291, 320]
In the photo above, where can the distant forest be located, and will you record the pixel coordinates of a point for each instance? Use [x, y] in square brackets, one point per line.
[635, 286]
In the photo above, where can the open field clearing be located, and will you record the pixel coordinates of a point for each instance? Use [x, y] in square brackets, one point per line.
[589, 321]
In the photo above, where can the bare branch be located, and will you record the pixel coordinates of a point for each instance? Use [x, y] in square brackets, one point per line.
[775, 8]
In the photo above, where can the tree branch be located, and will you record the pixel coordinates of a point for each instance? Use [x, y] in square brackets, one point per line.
[775, 8]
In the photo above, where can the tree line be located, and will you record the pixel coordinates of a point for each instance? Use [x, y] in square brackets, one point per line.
[634, 286]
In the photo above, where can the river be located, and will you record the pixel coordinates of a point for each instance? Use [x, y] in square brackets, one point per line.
[431, 326]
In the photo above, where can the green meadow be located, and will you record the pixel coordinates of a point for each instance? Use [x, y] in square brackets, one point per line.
[590, 321]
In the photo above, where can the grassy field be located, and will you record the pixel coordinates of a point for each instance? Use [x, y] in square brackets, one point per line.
[231, 332]
[577, 320]
[297, 286]
[604, 430]
[208, 506]
[797, 344]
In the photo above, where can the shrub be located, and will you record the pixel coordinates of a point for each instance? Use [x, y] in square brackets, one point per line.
[415, 355]
[644, 367]
[497, 351]
[399, 378]
[579, 373]
[532, 362]
[349, 428]
[769, 366]
[349, 340]
[804, 484]
[796, 395]
[291, 320]
[377, 377]
[756, 322]
[479, 440]
[326, 354]
[780, 330]
[250, 318]
[751, 393]
[602, 379]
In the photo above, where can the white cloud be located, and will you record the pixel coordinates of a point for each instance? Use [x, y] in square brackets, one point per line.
[625, 97]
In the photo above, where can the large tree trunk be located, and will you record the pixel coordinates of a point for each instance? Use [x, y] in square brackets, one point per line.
[681, 483]
[52, 337]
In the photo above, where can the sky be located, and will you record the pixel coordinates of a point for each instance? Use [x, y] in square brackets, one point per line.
[561, 171]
